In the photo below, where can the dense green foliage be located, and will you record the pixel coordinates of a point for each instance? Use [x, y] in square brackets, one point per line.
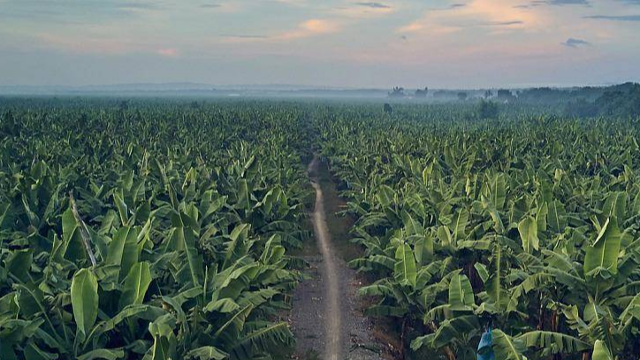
[160, 229]
[148, 230]
[527, 225]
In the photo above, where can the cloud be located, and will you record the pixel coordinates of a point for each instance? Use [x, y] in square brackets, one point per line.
[374, 5]
[77, 11]
[318, 26]
[363, 10]
[560, 2]
[504, 23]
[312, 27]
[168, 52]
[455, 6]
[615, 17]
[410, 28]
[568, 2]
[227, 7]
[575, 43]
[309, 28]
[477, 13]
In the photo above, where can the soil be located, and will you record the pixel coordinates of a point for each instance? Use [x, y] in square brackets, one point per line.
[327, 317]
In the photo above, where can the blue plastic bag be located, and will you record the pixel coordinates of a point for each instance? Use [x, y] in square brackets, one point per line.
[485, 347]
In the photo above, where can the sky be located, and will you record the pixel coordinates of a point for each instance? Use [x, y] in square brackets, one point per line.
[328, 43]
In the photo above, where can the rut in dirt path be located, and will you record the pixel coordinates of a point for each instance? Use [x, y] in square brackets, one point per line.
[333, 315]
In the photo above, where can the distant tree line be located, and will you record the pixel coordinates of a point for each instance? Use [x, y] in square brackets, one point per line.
[398, 92]
[548, 95]
[622, 100]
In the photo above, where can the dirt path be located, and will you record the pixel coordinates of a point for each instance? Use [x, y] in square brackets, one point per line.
[326, 316]
[332, 312]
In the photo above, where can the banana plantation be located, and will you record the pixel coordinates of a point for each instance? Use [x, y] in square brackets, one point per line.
[159, 232]
[164, 230]
[500, 239]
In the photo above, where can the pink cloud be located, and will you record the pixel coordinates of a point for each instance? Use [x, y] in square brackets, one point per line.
[494, 15]
[311, 27]
[168, 52]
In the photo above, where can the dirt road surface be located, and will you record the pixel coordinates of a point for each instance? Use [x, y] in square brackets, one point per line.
[326, 317]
